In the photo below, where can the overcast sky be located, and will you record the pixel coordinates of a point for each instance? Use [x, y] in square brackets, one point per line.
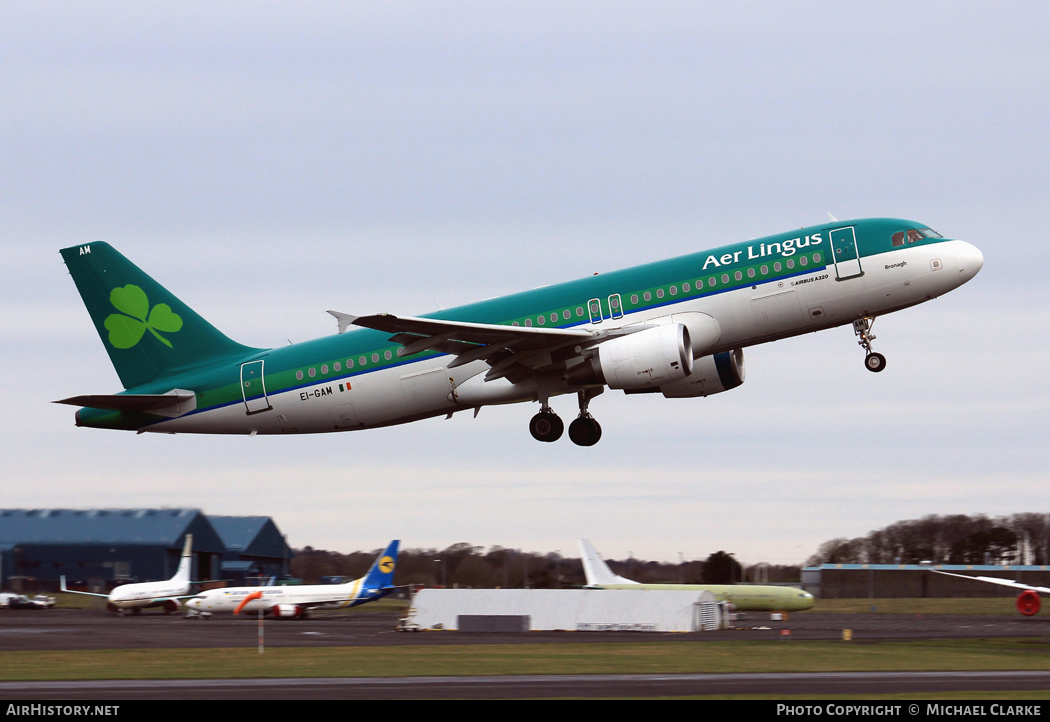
[269, 161]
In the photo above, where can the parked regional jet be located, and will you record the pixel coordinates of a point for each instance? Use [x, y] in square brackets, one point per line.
[676, 327]
[745, 597]
[1028, 601]
[296, 602]
[140, 595]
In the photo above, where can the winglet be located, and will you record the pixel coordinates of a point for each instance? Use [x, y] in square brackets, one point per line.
[345, 320]
[596, 570]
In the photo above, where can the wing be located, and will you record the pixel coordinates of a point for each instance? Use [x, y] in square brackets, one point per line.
[999, 581]
[512, 351]
[62, 587]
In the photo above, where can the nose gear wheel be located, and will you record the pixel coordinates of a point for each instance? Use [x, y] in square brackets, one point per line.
[874, 362]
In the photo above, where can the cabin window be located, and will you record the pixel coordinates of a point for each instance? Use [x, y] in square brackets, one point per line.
[349, 363]
[337, 367]
[363, 360]
[387, 355]
[299, 375]
[738, 275]
[674, 290]
[566, 314]
[554, 317]
[659, 293]
[777, 267]
[375, 358]
[515, 323]
[725, 278]
[803, 261]
[324, 369]
[685, 287]
[528, 322]
[816, 258]
[710, 282]
[541, 320]
[312, 373]
[750, 273]
[790, 264]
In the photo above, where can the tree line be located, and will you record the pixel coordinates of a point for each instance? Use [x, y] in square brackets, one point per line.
[467, 566]
[954, 539]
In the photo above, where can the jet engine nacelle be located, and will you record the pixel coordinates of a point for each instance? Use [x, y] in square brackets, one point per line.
[711, 375]
[646, 359]
[287, 611]
[1028, 602]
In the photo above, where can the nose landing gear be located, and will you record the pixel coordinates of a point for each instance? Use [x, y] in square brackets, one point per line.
[862, 328]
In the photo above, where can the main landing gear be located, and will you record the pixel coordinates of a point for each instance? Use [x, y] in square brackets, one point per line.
[584, 431]
[862, 328]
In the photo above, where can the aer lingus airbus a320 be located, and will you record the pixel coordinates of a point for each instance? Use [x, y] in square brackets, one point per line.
[676, 327]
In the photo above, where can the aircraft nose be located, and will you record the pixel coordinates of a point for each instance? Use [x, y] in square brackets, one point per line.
[970, 260]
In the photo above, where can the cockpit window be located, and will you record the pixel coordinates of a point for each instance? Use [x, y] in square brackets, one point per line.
[914, 234]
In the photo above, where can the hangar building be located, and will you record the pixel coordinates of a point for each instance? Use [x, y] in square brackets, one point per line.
[98, 548]
[566, 609]
[254, 548]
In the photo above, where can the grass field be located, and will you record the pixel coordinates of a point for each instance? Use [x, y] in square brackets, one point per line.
[511, 659]
[674, 656]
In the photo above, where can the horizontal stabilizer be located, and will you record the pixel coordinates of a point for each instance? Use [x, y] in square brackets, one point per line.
[171, 404]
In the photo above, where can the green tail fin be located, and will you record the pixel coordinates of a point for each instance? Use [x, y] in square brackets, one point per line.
[147, 331]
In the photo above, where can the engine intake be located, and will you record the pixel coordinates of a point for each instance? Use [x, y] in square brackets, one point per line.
[287, 611]
[1028, 602]
[640, 361]
[711, 375]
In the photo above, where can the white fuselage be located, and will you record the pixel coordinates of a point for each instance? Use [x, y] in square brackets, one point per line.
[747, 316]
[146, 594]
[314, 596]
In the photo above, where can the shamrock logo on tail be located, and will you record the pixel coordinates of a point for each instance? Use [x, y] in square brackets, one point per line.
[127, 328]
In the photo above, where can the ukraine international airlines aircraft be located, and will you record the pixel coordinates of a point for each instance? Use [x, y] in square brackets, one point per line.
[1028, 601]
[676, 327]
[745, 597]
[138, 596]
[296, 602]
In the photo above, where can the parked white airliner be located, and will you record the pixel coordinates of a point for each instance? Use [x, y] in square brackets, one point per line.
[140, 595]
[295, 602]
[1028, 602]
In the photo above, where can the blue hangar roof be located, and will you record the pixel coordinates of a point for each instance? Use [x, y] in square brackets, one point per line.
[98, 526]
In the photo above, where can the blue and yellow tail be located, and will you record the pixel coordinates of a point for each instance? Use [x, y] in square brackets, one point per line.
[381, 575]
